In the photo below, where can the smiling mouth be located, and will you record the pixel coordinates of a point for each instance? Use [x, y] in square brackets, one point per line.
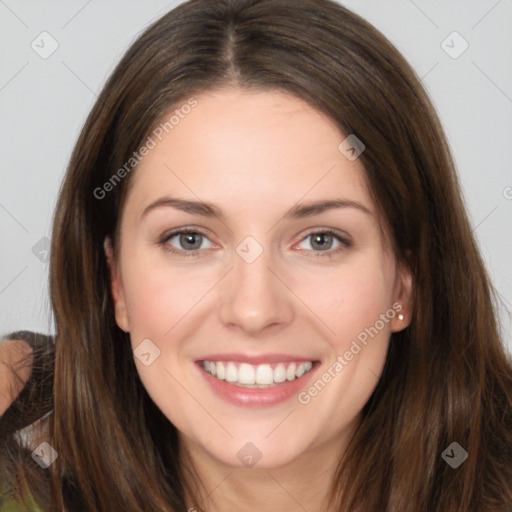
[256, 376]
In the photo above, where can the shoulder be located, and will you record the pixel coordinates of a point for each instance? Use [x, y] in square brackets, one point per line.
[15, 369]
[33, 375]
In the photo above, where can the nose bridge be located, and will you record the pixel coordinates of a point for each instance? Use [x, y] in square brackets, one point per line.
[254, 297]
[251, 266]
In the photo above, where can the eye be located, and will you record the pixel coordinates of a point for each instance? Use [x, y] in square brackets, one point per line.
[322, 242]
[189, 242]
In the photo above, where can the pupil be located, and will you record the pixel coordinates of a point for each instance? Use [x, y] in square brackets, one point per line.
[189, 238]
[320, 238]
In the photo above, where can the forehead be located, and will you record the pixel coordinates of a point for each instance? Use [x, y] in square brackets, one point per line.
[250, 149]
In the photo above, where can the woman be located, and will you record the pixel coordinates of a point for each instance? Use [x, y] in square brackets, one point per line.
[330, 341]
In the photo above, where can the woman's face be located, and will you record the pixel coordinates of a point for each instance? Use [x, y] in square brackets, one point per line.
[260, 289]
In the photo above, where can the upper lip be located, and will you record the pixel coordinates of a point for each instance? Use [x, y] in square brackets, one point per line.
[256, 358]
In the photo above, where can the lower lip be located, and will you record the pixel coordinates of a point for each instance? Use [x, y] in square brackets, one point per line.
[257, 397]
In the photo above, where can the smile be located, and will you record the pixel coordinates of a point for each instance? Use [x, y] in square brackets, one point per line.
[256, 376]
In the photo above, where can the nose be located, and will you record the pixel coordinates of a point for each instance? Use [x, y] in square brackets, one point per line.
[255, 297]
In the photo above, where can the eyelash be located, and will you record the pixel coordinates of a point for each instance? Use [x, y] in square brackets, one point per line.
[162, 241]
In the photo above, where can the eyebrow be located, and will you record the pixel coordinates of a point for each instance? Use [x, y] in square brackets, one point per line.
[298, 211]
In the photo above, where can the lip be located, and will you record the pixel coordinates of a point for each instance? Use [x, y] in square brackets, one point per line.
[256, 397]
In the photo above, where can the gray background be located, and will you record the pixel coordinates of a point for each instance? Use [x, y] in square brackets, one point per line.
[44, 102]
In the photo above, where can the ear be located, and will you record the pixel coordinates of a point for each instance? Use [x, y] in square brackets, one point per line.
[116, 287]
[404, 298]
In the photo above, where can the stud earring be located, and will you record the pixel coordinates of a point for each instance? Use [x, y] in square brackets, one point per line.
[400, 317]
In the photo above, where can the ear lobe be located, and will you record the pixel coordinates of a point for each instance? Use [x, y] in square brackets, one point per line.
[405, 297]
[116, 287]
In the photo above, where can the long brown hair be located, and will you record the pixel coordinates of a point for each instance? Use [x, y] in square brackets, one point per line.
[447, 376]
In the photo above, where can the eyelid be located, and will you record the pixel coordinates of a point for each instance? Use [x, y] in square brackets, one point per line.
[166, 236]
[335, 232]
[344, 240]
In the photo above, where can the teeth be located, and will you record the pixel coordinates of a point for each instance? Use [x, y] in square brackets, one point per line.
[246, 374]
[290, 372]
[264, 374]
[231, 373]
[256, 376]
[221, 372]
[280, 373]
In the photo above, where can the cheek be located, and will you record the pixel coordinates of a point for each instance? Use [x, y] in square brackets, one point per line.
[356, 304]
[352, 303]
[350, 298]
[159, 296]
[160, 300]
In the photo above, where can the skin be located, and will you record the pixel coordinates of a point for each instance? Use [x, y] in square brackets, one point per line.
[255, 155]
[14, 370]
